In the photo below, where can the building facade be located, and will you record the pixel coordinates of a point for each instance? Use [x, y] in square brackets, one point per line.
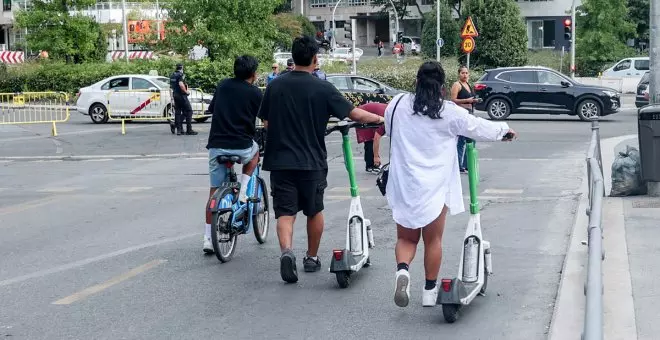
[544, 19]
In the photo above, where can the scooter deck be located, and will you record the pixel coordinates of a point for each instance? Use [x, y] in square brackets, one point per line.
[342, 260]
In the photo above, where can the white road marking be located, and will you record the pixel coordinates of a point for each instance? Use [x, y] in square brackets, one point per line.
[58, 146]
[98, 160]
[131, 189]
[73, 133]
[105, 285]
[503, 191]
[5, 161]
[48, 161]
[86, 157]
[198, 158]
[146, 159]
[58, 190]
[84, 262]
[12, 209]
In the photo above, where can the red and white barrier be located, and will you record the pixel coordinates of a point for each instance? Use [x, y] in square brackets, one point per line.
[11, 57]
[112, 56]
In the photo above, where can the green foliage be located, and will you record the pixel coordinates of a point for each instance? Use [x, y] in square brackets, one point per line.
[74, 38]
[549, 58]
[228, 28]
[69, 78]
[502, 37]
[290, 26]
[307, 27]
[449, 31]
[401, 7]
[602, 29]
[638, 12]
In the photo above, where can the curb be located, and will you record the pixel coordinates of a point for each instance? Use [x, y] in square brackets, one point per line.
[568, 316]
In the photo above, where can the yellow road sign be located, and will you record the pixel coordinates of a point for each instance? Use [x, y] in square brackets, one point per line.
[469, 30]
[468, 45]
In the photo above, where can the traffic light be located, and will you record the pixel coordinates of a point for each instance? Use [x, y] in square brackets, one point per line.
[568, 29]
[399, 36]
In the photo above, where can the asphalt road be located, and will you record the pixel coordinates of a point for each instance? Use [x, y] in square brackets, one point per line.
[101, 235]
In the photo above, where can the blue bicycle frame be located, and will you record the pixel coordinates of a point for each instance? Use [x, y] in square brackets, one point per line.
[230, 201]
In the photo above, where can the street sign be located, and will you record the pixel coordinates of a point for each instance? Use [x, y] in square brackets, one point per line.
[469, 30]
[440, 42]
[468, 45]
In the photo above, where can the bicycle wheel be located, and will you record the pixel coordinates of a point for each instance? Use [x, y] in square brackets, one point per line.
[224, 241]
[261, 220]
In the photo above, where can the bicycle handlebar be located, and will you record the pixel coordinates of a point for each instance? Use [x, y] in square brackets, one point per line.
[350, 124]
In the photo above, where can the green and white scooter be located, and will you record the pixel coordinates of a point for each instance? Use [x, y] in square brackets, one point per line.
[476, 263]
[359, 236]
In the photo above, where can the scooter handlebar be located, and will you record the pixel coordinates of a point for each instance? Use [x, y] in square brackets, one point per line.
[349, 124]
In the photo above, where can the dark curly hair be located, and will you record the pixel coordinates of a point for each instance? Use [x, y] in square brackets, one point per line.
[428, 92]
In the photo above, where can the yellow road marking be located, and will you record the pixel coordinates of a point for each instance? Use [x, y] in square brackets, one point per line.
[16, 208]
[105, 285]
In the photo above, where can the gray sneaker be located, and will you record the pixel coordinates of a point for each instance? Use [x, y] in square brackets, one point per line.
[288, 269]
[311, 265]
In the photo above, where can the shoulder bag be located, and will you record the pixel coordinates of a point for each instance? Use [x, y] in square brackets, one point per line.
[381, 181]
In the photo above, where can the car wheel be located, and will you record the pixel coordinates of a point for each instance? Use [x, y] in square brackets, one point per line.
[588, 110]
[201, 120]
[98, 113]
[498, 109]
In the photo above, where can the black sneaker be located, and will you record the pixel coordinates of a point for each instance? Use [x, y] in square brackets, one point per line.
[191, 133]
[311, 265]
[288, 269]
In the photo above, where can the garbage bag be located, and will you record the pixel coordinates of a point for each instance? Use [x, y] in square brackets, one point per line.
[627, 174]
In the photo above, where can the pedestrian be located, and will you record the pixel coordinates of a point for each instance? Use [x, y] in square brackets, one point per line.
[381, 45]
[182, 107]
[463, 95]
[289, 66]
[232, 131]
[423, 181]
[274, 74]
[370, 138]
[319, 74]
[295, 111]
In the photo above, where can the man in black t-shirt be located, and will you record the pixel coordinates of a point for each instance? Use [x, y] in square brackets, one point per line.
[295, 109]
[235, 105]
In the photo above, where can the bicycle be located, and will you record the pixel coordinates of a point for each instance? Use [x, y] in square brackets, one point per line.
[230, 218]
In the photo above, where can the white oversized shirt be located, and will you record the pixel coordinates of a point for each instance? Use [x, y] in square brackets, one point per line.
[424, 174]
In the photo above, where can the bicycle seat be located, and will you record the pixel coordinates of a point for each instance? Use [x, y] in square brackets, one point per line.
[228, 159]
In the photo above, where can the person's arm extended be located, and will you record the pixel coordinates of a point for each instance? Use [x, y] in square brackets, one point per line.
[455, 89]
[377, 138]
[362, 116]
[479, 129]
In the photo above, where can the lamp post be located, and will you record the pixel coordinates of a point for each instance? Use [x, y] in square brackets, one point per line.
[437, 33]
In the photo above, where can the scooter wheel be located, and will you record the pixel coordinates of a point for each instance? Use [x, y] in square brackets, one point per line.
[368, 263]
[450, 312]
[343, 279]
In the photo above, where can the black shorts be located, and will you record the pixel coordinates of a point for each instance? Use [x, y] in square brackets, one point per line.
[296, 190]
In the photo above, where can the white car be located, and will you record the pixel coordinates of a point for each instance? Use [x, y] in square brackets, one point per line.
[412, 45]
[134, 96]
[281, 57]
[345, 54]
[628, 68]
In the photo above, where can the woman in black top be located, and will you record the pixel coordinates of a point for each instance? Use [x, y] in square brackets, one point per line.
[463, 95]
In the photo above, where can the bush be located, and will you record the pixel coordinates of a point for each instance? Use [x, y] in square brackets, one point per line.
[502, 37]
[69, 78]
[449, 30]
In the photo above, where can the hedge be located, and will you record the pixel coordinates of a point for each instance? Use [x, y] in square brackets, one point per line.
[69, 78]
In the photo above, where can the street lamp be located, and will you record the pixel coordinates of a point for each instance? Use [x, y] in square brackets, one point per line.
[437, 33]
[574, 38]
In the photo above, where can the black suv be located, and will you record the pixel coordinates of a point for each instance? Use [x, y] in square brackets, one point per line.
[527, 89]
[642, 97]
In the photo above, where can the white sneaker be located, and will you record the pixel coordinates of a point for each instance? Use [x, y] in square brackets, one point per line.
[208, 246]
[430, 297]
[402, 288]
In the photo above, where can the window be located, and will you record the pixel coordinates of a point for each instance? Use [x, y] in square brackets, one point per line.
[541, 33]
[642, 65]
[339, 24]
[116, 84]
[624, 65]
[645, 78]
[549, 78]
[428, 2]
[527, 77]
[341, 83]
[318, 3]
[361, 84]
[141, 84]
[6, 5]
[357, 2]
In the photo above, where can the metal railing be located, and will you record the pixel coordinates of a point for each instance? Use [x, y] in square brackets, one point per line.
[593, 288]
[34, 108]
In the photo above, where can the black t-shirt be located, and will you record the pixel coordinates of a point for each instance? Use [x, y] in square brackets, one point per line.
[234, 106]
[175, 78]
[297, 106]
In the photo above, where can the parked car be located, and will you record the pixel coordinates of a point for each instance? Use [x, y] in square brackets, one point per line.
[345, 54]
[127, 92]
[281, 57]
[412, 45]
[629, 67]
[542, 90]
[642, 97]
[348, 83]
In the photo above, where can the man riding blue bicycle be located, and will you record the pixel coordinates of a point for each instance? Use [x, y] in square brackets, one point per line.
[234, 106]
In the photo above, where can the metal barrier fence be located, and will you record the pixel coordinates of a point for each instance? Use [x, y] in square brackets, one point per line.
[34, 108]
[593, 289]
[151, 105]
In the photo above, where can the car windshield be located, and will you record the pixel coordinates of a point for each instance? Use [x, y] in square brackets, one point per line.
[417, 40]
[162, 82]
[645, 78]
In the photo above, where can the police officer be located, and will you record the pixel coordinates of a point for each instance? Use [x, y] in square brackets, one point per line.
[182, 107]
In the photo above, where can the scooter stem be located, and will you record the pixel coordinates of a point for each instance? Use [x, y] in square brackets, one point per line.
[350, 168]
[473, 177]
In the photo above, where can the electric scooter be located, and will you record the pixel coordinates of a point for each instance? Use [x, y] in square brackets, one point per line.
[359, 236]
[476, 263]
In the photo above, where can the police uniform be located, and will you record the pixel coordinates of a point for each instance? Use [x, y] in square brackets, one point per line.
[182, 107]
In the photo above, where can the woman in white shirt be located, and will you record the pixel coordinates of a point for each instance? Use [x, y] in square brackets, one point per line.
[424, 180]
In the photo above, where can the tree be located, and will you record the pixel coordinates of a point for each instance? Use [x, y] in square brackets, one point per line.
[290, 26]
[502, 37]
[602, 30]
[401, 6]
[638, 12]
[226, 28]
[74, 38]
[449, 31]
